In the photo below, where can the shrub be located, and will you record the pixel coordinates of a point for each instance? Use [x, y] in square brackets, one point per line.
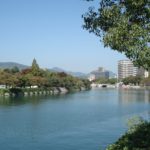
[136, 138]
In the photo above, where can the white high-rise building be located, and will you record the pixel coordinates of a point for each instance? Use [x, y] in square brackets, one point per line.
[126, 69]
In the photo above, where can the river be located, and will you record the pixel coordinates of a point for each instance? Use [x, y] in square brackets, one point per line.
[88, 120]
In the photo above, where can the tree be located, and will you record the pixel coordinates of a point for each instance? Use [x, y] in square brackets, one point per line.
[35, 68]
[7, 70]
[22, 81]
[146, 81]
[26, 71]
[123, 25]
[106, 81]
[15, 69]
[7, 79]
[132, 80]
[35, 64]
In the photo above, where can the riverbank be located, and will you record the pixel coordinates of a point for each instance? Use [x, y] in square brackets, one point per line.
[14, 92]
[38, 81]
[118, 86]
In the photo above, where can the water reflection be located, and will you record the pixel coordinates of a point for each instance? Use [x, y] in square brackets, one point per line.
[128, 96]
[34, 100]
[125, 97]
[14, 101]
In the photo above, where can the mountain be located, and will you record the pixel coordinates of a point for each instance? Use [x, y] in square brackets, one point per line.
[75, 74]
[4, 65]
[78, 74]
[56, 69]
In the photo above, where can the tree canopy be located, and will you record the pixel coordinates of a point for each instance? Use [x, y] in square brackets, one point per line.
[35, 67]
[123, 25]
[132, 80]
[42, 78]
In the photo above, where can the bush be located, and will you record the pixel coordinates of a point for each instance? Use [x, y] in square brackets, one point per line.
[136, 138]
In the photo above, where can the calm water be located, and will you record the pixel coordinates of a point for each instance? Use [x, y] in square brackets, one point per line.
[88, 120]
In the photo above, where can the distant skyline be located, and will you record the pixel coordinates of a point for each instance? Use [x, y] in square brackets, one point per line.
[51, 32]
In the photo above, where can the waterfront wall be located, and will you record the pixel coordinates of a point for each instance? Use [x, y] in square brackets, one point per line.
[13, 92]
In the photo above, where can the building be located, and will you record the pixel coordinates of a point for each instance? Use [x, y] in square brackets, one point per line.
[101, 73]
[126, 68]
[91, 77]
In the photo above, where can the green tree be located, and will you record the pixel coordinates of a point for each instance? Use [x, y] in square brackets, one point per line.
[22, 81]
[35, 64]
[112, 81]
[15, 69]
[35, 68]
[123, 25]
[132, 80]
[146, 81]
[7, 70]
[7, 79]
[106, 81]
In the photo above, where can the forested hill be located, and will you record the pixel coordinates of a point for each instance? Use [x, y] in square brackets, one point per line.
[10, 65]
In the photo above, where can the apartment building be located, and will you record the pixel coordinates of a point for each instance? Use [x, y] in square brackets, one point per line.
[126, 68]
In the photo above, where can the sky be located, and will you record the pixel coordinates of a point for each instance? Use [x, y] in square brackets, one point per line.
[51, 32]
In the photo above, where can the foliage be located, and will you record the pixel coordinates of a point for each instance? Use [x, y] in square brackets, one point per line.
[35, 69]
[86, 83]
[136, 138]
[134, 80]
[8, 79]
[106, 81]
[146, 81]
[35, 76]
[3, 91]
[35, 65]
[15, 69]
[123, 25]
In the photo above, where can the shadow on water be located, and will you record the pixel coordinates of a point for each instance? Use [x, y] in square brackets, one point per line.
[125, 97]
[34, 100]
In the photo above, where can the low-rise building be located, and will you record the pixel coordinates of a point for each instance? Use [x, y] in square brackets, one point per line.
[91, 77]
[101, 73]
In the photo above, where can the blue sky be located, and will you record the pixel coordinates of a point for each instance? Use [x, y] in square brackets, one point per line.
[51, 31]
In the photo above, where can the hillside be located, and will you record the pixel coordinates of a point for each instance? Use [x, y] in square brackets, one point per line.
[4, 65]
[75, 74]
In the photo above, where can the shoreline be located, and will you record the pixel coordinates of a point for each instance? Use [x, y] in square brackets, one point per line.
[16, 92]
[115, 86]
